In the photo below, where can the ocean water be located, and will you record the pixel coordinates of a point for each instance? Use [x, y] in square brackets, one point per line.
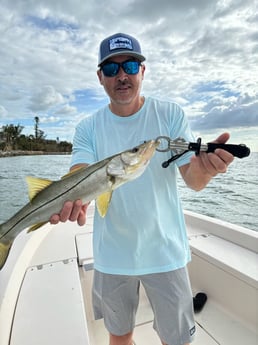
[230, 197]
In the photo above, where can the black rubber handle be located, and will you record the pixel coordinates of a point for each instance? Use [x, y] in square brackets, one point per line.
[239, 151]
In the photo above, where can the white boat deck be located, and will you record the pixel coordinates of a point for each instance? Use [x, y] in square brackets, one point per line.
[54, 304]
[144, 333]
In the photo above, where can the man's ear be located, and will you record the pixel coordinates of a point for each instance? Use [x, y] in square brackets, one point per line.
[143, 71]
[100, 76]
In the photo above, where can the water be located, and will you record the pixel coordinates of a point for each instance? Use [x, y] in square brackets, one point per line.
[13, 171]
[231, 197]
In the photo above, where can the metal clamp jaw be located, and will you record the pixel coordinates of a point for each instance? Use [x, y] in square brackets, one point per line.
[177, 145]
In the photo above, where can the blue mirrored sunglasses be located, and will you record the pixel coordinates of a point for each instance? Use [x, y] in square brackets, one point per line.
[111, 69]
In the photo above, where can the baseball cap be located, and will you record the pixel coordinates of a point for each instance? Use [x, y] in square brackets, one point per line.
[119, 44]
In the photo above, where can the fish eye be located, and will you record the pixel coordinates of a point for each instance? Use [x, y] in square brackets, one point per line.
[135, 150]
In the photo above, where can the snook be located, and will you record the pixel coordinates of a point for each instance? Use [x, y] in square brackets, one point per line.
[96, 181]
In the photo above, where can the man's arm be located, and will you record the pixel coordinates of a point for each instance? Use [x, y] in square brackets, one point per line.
[73, 211]
[203, 167]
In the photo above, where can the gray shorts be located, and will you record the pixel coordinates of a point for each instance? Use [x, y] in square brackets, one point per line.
[116, 298]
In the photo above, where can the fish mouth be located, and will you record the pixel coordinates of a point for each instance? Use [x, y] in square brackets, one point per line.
[138, 158]
[147, 153]
[150, 149]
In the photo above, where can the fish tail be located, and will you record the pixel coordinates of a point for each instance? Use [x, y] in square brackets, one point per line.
[4, 251]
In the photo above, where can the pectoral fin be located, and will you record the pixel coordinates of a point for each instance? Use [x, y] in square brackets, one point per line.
[103, 202]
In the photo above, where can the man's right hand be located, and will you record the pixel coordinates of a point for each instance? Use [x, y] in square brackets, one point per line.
[73, 211]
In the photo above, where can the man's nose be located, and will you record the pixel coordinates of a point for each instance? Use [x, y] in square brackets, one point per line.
[122, 75]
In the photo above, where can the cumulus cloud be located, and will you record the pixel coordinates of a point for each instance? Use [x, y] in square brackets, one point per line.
[241, 115]
[202, 54]
[49, 119]
[46, 98]
[66, 110]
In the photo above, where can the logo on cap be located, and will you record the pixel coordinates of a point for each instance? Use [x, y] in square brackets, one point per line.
[120, 43]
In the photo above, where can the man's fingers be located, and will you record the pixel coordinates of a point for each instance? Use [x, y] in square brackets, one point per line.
[81, 220]
[217, 163]
[66, 211]
[225, 156]
[54, 219]
[73, 211]
[76, 210]
[209, 163]
[222, 139]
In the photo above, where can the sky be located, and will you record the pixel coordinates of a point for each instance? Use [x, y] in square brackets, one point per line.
[202, 54]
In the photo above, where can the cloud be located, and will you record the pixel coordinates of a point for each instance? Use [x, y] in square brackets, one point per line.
[49, 119]
[202, 54]
[66, 110]
[241, 115]
[3, 112]
[45, 99]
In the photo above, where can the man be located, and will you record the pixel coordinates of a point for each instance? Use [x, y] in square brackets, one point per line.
[143, 237]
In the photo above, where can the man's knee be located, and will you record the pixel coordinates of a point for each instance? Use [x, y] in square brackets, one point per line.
[126, 339]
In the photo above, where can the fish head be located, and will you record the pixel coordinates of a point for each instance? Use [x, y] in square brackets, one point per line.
[130, 164]
[124, 167]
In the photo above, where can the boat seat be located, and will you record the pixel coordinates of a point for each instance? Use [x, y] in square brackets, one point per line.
[228, 274]
[239, 261]
[230, 247]
[50, 308]
[85, 250]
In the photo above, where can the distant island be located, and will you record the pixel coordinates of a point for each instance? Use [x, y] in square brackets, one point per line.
[14, 143]
[14, 153]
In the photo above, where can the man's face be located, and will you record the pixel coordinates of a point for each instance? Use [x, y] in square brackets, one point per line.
[123, 88]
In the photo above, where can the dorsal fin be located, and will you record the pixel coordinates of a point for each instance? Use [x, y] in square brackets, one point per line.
[36, 185]
[72, 172]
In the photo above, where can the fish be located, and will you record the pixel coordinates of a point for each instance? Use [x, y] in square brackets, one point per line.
[93, 182]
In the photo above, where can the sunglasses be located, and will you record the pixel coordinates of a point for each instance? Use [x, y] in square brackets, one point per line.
[111, 69]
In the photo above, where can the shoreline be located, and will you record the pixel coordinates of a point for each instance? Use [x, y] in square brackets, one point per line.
[16, 153]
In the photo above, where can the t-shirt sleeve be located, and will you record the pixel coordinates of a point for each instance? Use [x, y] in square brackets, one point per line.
[83, 143]
[181, 128]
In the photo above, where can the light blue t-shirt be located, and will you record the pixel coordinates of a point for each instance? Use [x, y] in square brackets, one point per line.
[144, 230]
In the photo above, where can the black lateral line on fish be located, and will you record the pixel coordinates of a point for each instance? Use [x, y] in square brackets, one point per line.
[53, 199]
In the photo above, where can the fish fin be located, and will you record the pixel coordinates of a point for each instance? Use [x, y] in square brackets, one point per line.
[36, 185]
[103, 202]
[4, 251]
[72, 172]
[36, 226]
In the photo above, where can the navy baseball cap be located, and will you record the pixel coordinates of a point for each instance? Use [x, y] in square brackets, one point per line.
[119, 44]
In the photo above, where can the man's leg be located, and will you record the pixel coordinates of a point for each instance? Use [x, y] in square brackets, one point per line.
[171, 299]
[184, 344]
[126, 339]
[116, 298]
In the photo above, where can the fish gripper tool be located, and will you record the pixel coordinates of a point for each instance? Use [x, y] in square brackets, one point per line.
[180, 146]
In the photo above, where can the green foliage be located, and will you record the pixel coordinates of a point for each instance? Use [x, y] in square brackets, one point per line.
[12, 139]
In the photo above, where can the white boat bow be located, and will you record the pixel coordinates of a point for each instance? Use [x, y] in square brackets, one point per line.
[45, 286]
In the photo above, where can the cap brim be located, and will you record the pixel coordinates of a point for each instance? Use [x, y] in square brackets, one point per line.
[125, 52]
